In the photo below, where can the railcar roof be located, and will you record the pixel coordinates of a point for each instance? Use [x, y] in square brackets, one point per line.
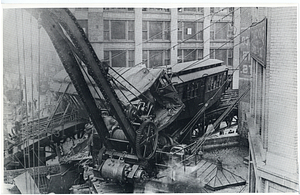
[178, 79]
[179, 67]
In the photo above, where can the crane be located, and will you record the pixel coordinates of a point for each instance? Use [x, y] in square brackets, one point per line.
[138, 123]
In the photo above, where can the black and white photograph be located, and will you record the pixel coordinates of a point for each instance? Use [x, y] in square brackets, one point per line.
[195, 98]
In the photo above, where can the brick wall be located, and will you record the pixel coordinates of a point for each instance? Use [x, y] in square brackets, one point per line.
[282, 89]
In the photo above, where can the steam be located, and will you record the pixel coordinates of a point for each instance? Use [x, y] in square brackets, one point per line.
[177, 178]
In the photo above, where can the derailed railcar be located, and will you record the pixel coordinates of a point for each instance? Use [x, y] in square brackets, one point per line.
[200, 85]
[198, 81]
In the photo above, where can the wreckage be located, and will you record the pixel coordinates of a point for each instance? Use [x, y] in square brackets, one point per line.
[135, 118]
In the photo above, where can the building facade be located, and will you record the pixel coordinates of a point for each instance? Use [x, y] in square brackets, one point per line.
[126, 37]
[272, 116]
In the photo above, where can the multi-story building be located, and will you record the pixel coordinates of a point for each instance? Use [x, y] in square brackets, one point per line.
[126, 37]
[272, 117]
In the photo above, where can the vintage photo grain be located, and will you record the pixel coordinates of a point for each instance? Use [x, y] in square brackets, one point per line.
[150, 99]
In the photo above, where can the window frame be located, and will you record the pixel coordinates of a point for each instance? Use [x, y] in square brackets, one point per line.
[156, 10]
[127, 56]
[229, 50]
[184, 10]
[127, 31]
[164, 30]
[181, 30]
[166, 57]
[115, 9]
[180, 53]
[213, 31]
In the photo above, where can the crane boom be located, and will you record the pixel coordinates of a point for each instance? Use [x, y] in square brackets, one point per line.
[71, 43]
[72, 67]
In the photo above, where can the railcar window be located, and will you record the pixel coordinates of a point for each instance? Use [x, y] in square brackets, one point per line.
[208, 84]
[219, 81]
[211, 83]
[191, 90]
[184, 95]
[215, 82]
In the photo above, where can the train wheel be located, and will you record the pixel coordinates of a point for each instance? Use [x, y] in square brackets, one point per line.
[146, 140]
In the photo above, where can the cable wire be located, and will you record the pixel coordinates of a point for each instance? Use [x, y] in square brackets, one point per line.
[173, 47]
[163, 32]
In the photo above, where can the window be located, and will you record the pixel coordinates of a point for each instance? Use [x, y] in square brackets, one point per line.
[156, 9]
[189, 55]
[106, 30]
[230, 57]
[167, 31]
[119, 9]
[107, 56]
[153, 58]
[156, 30]
[200, 31]
[130, 58]
[199, 54]
[219, 10]
[221, 54]
[220, 31]
[167, 57]
[119, 58]
[180, 27]
[118, 30]
[186, 55]
[145, 30]
[190, 9]
[215, 81]
[226, 55]
[190, 30]
[130, 30]
[201, 10]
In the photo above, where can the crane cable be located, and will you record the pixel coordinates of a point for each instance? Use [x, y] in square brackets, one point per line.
[20, 85]
[39, 98]
[31, 105]
[26, 141]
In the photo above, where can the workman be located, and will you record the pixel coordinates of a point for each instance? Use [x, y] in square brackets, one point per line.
[110, 122]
